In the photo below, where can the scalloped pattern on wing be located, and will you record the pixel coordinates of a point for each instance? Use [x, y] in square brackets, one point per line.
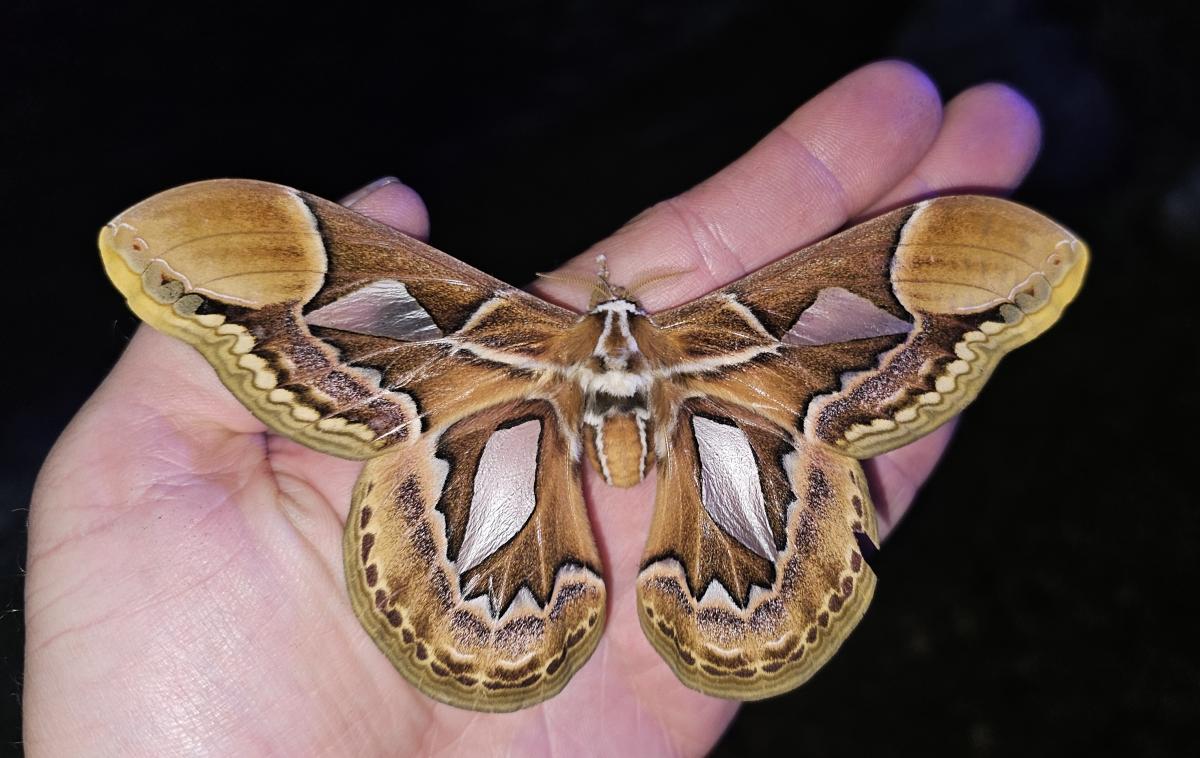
[472, 608]
[729, 621]
[931, 296]
[234, 268]
[982, 277]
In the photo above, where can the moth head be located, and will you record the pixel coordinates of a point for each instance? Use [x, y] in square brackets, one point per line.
[603, 289]
[599, 286]
[606, 290]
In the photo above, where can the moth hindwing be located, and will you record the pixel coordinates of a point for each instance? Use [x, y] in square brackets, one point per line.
[468, 552]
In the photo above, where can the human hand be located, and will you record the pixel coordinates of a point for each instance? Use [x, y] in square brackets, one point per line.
[185, 585]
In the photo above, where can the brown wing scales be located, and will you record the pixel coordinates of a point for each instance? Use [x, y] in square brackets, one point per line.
[557, 533]
[232, 266]
[480, 581]
[468, 638]
[780, 619]
[975, 277]
[846, 349]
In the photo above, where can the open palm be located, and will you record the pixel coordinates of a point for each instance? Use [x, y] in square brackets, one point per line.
[185, 589]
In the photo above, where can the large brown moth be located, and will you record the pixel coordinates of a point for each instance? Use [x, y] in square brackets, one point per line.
[468, 552]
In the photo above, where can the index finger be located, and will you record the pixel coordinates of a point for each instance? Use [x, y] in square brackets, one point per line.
[826, 162]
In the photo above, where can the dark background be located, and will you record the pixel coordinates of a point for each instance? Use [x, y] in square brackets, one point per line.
[1040, 599]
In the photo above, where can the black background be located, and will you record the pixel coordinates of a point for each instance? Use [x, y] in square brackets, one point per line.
[1040, 599]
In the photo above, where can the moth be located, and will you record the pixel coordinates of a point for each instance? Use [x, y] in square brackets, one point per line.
[469, 557]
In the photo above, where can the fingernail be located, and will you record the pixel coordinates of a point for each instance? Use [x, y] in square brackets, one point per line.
[370, 189]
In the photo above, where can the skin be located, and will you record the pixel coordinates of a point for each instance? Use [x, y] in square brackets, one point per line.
[185, 590]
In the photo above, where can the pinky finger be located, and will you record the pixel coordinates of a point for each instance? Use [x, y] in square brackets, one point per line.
[988, 142]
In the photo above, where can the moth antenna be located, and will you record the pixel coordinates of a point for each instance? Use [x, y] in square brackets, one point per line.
[570, 277]
[654, 276]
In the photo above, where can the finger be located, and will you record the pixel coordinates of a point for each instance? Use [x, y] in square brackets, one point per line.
[896, 477]
[988, 142]
[390, 201]
[829, 160]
